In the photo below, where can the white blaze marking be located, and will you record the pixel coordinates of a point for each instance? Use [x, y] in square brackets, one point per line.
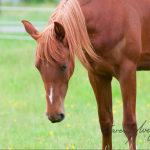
[51, 95]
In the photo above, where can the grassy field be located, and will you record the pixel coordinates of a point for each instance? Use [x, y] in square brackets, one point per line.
[22, 106]
[23, 124]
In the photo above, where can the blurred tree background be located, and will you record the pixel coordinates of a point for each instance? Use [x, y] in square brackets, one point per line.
[18, 2]
[39, 1]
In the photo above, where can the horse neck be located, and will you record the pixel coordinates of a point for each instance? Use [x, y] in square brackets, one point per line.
[87, 6]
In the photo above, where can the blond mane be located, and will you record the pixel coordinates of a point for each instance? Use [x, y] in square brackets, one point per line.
[70, 15]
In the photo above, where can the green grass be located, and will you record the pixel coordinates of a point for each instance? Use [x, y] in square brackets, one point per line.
[22, 98]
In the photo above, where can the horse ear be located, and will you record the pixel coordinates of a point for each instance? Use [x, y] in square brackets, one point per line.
[30, 29]
[59, 30]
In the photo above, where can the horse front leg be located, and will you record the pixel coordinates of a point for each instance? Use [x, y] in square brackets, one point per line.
[102, 89]
[127, 79]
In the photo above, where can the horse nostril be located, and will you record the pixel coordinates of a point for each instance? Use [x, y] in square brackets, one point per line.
[62, 116]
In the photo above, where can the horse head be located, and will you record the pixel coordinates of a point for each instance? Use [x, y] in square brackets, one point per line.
[55, 66]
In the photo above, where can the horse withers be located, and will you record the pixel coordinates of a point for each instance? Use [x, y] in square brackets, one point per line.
[111, 39]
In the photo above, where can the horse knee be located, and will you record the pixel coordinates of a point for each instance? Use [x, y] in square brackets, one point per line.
[130, 124]
[130, 128]
[106, 126]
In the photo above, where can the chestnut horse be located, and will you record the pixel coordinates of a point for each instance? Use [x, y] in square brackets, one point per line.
[111, 39]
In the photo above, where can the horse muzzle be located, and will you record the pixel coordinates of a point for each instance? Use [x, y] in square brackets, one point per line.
[56, 118]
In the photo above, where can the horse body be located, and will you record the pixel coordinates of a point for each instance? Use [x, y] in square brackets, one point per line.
[119, 33]
[111, 26]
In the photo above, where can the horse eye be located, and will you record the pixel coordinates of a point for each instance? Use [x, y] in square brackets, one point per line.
[63, 68]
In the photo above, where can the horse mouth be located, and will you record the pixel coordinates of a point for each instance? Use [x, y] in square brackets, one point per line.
[61, 117]
[57, 121]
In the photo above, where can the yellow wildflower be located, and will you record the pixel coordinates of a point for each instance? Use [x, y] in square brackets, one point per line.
[88, 104]
[68, 114]
[114, 111]
[42, 95]
[15, 104]
[67, 147]
[68, 125]
[121, 104]
[15, 120]
[51, 133]
[148, 105]
[42, 140]
[140, 141]
[72, 106]
[73, 147]
[115, 106]
[118, 101]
